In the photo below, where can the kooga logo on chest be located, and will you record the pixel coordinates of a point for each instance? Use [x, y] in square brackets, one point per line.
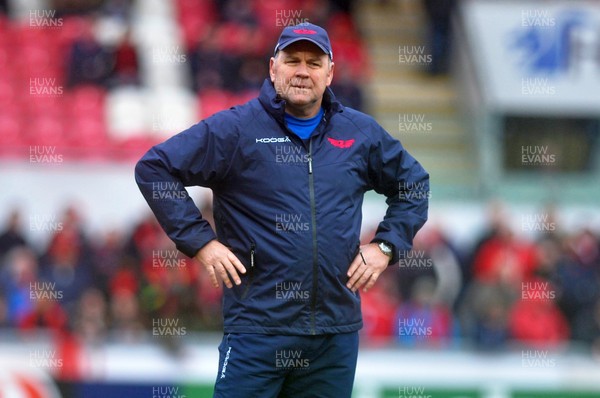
[270, 140]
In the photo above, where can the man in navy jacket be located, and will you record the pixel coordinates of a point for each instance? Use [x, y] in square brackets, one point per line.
[288, 171]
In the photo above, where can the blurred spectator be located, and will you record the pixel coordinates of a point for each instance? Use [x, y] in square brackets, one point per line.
[549, 255]
[413, 265]
[239, 12]
[252, 73]
[445, 262]
[45, 313]
[379, 307]
[4, 7]
[125, 279]
[90, 319]
[12, 236]
[484, 315]
[319, 12]
[535, 320]
[504, 259]
[107, 257]
[209, 66]
[126, 64]
[423, 322]
[586, 327]
[17, 274]
[496, 222]
[4, 320]
[578, 275]
[126, 324]
[74, 7]
[65, 266]
[88, 61]
[120, 9]
[144, 238]
[72, 221]
[439, 13]
[346, 91]
[346, 6]
[348, 49]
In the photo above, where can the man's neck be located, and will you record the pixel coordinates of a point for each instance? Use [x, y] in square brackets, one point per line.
[303, 112]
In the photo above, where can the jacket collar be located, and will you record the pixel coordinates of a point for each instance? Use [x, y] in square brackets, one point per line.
[275, 105]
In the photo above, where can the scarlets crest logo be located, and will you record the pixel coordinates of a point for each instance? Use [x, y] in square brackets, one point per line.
[341, 143]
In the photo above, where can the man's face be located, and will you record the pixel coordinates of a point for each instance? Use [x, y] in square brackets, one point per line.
[300, 73]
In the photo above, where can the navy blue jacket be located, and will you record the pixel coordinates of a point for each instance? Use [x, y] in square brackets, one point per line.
[289, 209]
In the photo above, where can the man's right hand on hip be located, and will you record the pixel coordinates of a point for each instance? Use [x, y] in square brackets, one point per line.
[219, 260]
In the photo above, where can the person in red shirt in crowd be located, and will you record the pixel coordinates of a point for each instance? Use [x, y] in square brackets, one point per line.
[126, 69]
[504, 259]
[379, 307]
[535, 319]
[46, 313]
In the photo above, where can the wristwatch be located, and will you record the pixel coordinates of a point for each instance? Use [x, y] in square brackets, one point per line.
[386, 248]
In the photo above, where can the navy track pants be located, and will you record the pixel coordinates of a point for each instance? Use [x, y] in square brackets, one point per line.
[278, 366]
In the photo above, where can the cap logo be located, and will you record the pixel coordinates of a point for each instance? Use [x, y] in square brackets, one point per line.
[305, 31]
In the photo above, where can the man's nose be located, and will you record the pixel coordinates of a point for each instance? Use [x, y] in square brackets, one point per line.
[302, 70]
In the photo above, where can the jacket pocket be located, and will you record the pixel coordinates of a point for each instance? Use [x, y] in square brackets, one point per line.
[250, 271]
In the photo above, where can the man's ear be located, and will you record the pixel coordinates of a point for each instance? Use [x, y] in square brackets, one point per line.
[330, 74]
[271, 71]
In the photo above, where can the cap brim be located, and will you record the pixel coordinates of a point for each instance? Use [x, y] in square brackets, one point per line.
[284, 45]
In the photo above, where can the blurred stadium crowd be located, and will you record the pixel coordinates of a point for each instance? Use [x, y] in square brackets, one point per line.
[504, 290]
[102, 79]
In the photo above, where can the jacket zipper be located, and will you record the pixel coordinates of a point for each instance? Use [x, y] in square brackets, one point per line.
[313, 216]
[251, 270]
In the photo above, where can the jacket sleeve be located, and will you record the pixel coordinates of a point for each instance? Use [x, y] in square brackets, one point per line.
[393, 172]
[196, 156]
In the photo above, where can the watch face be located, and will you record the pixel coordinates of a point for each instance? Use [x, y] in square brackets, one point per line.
[385, 248]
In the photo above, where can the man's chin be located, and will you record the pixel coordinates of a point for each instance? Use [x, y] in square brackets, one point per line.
[300, 100]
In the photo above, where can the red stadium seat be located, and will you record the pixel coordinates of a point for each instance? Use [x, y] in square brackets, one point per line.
[11, 136]
[45, 130]
[27, 34]
[86, 137]
[8, 93]
[267, 12]
[40, 106]
[87, 100]
[5, 57]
